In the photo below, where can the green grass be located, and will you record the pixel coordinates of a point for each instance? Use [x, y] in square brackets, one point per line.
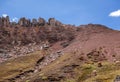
[13, 67]
[82, 73]
[85, 71]
[70, 80]
[106, 73]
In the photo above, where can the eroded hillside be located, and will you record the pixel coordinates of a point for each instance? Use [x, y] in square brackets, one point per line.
[49, 51]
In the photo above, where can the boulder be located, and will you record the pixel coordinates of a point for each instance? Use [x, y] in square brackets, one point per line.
[100, 64]
[94, 73]
[117, 79]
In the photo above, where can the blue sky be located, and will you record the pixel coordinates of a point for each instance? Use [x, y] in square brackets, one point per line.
[75, 12]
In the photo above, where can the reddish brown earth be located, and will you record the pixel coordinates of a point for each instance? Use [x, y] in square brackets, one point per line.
[68, 47]
[95, 37]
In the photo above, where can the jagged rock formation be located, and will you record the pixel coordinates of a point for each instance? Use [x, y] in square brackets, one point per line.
[24, 22]
[34, 22]
[91, 44]
[4, 21]
[53, 22]
[41, 22]
[20, 35]
[26, 32]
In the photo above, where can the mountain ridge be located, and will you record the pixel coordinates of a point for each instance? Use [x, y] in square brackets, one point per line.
[55, 52]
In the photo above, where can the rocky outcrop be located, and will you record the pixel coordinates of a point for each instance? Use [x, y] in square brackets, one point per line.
[34, 22]
[41, 21]
[42, 62]
[7, 21]
[17, 51]
[51, 22]
[24, 22]
[117, 79]
[58, 23]
[96, 55]
[4, 21]
[0, 21]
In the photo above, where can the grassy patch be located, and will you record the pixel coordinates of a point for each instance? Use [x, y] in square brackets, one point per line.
[106, 77]
[60, 62]
[69, 80]
[13, 67]
[106, 73]
[85, 70]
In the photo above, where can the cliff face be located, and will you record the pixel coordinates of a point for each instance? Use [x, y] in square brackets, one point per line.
[27, 33]
[26, 36]
[35, 31]
[5, 22]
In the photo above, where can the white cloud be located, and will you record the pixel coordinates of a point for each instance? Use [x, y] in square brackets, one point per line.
[15, 19]
[115, 13]
[4, 15]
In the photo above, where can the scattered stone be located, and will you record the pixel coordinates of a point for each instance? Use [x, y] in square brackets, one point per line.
[64, 44]
[117, 62]
[94, 73]
[117, 79]
[39, 64]
[100, 64]
[69, 68]
[40, 60]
